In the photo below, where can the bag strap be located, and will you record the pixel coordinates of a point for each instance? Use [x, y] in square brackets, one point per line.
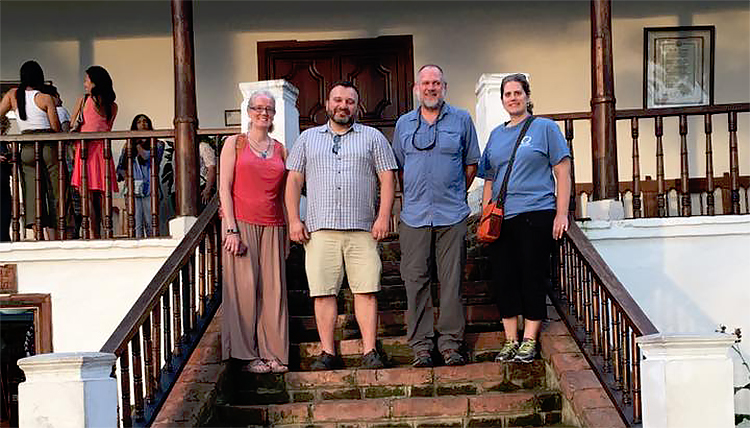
[504, 187]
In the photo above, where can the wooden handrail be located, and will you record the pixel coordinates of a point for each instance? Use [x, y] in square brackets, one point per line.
[169, 314]
[75, 136]
[163, 278]
[656, 112]
[603, 273]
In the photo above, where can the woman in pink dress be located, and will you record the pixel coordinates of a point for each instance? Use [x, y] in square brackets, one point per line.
[97, 109]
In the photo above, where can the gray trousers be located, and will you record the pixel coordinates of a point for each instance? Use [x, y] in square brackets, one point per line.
[449, 244]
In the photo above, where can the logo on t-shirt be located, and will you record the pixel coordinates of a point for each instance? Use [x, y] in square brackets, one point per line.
[526, 141]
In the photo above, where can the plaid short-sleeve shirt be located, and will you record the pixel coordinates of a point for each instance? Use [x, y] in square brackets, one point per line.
[342, 181]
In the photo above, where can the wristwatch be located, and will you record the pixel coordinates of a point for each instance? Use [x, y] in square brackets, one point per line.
[234, 231]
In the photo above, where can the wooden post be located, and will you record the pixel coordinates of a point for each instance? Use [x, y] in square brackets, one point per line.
[603, 136]
[186, 118]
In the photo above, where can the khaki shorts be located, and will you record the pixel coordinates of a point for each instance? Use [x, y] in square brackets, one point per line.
[328, 252]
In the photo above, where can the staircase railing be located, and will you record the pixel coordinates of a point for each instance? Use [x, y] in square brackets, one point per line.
[155, 339]
[603, 318]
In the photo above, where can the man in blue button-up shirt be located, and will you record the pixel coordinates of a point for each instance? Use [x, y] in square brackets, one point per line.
[437, 153]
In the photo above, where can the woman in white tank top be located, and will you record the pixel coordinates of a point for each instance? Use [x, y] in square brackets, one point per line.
[36, 113]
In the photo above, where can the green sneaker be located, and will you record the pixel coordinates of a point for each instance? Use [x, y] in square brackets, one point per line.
[527, 351]
[508, 352]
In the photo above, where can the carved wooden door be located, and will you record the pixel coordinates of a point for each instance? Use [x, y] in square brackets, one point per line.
[382, 69]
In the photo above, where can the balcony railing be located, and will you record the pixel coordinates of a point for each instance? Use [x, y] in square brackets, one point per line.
[687, 193]
[65, 226]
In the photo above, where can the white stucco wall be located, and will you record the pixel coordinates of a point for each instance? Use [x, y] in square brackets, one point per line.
[92, 284]
[688, 274]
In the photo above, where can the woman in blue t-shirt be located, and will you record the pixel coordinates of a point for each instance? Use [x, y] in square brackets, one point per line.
[536, 213]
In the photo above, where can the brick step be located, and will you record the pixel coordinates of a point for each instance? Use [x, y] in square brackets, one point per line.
[527, 408]
[391, 323]
[480, 347]
[391, 296]
[472, 379]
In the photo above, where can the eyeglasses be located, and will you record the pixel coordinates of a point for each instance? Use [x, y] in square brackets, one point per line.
[432, 142]
[336, 144]
[259, 110]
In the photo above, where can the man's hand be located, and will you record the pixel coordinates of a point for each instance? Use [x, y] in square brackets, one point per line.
[298, 232]
[559, 226]
[380, 228]
[206, 194]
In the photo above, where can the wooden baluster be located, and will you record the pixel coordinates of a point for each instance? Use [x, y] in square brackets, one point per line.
[154, 189]
[167, 332]
[187, 300]
[156, 340]
[84, 192]
[107, 220]
[571, 280]
[587, 296]
[616, 346]
[636, 170]
[202, 276]
[176, 317]
[148, 352]
[596, 306]
[606, 335]
[684, 169]
[38, 231]
[635, 358]
[710, 206]
[218, 271]
[626, 363]
[16, 204]
[135, 343]
[130, 153]
[62, 190]
[573, 207]
[579, 290]
[127, 412]
[660, 185]
[734, 163]
[193, 270]
[211, 261]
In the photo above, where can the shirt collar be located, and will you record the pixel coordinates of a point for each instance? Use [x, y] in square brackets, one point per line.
[356, 127]
[415, 114]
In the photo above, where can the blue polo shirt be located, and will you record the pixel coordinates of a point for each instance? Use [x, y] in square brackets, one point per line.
[531, 186]
[434, 177]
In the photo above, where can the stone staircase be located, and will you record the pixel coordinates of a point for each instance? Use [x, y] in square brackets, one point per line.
[558, 389]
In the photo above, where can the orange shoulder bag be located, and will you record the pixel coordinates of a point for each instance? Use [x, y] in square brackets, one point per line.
[492, 215]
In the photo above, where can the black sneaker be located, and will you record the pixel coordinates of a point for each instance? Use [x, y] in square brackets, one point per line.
[371, 360]
[422, 359]
[451, 357]
[325, 361]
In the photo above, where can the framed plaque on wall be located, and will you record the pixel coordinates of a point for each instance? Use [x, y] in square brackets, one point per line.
[678, 66]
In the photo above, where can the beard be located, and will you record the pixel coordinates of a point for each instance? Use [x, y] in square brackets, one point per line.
[432, 103]
[348, 120]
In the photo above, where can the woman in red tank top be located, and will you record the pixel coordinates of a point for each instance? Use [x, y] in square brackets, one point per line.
[255, 325]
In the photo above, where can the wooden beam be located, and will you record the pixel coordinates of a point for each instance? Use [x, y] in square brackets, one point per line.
[603, 135]
[187, 168]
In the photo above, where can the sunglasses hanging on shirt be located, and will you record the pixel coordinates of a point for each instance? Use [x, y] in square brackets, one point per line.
[431, 143]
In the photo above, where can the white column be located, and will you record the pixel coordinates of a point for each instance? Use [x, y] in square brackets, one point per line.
[687, 381]
[68, 390]
[286, 121]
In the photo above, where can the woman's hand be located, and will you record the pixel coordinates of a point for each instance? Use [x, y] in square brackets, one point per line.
[298, 232]
[559, 226]
[233, 244]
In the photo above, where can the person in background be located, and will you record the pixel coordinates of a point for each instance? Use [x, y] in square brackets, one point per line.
[141, 150]
[36, 113]
[255, 325]
[536, 214]
[5, 173]
[62, 113]
[98, 110]
[208, 170]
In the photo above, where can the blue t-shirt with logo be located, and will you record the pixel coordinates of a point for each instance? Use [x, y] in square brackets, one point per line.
[531, 186]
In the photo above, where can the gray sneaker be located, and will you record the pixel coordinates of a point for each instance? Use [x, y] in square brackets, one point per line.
[526, 351]
[508, 352]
